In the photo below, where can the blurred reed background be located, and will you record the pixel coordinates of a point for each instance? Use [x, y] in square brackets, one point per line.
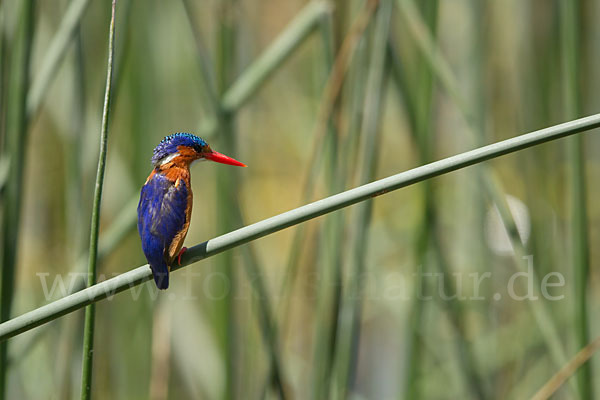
[376, 301]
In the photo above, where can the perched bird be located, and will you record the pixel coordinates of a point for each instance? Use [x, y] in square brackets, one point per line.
[165, 204]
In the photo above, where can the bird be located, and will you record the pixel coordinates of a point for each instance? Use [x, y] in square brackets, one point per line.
[165, 206]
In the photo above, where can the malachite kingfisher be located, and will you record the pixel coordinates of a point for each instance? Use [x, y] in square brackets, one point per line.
[165, 206]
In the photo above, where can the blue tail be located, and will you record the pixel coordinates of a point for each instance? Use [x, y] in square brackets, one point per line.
[153, 249]
[161, 276]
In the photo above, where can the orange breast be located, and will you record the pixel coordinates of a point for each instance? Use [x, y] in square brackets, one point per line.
[180, 176]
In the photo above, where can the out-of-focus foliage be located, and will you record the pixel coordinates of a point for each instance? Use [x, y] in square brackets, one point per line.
[439, 308]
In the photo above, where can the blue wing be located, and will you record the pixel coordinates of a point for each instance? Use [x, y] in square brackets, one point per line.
[161, 215]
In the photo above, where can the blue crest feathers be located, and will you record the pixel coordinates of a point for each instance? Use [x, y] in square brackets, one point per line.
[169, 145]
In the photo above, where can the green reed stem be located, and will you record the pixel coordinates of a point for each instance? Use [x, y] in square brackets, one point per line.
[293, 217]
[329, 98]
[252, 268]
[16, 131]
[329, 274]
[4, 162]
[55, 54]
[255, 75]
[580, 252]
[90, 311]
[240, 90]
[227, 192]
[493, 186]
[112, 236]
[206, 69]
[351, 315]
[419, 105]
[266, 320]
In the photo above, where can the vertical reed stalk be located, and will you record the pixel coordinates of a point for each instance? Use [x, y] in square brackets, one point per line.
[419, 102]
[3, 84]
[14, 146]
[126, 220]
[75, 214]
[370, 136]
[73, 142]
[348, 335]
[267, 325]
[330, 94]
[227, 189]
[418, 94]
[261, 68]
[580, 252]
[55, 54]
[206, 71]
[344, 350]
[329, 275]
[492, 185]
[90, 310]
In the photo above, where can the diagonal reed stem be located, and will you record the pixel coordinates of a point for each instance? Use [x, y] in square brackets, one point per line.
[491, 183]
[284, 47]
[296, 216]
[54, 55]
[351, 314]
[331, 93]
[285, 44]
[250, 80]
[90, 311]
[328, 252]
[429, 242]
[577, 362]
[206, 71]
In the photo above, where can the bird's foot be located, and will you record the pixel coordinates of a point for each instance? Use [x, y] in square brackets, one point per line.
[183, 250]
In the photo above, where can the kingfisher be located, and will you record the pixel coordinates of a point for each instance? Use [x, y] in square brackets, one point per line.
[165, 206]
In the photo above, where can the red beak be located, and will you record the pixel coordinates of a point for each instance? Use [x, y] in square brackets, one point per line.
[223, 159]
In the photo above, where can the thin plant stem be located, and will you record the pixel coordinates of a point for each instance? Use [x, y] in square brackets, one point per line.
[429, 241]
[580, 252]
[112, 236]
[576, 363]
[73, 142]
[371, 132]
[55, 54]
[226, 192]
[267, 324]
[436, 60]
[330, 94]
[295, 33]
[16, 132]
[266, 320]
[329, 254]
[90, 311]
[161, 353]
[271, 59]
[418, 92]
[490, 182]
[240, 90]
[296, 216]
[3, 85]
[206, 69]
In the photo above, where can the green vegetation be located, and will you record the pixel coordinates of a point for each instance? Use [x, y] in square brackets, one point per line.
[474, 284]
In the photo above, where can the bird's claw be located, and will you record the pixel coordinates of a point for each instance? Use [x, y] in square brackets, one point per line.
[183, 250]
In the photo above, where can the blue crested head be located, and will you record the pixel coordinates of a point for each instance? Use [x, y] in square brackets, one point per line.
[169, 145]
